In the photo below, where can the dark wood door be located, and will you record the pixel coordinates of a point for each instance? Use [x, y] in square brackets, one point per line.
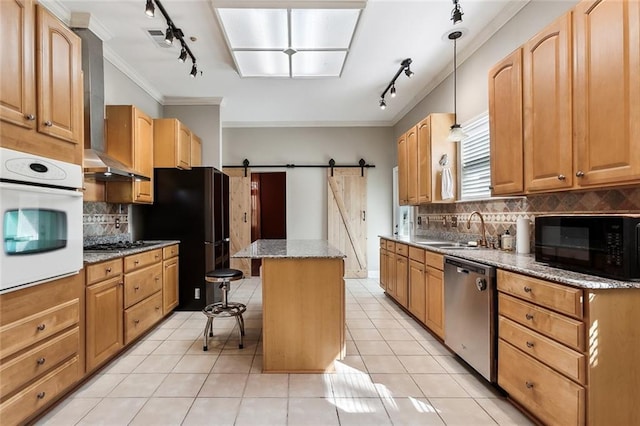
[268, 209]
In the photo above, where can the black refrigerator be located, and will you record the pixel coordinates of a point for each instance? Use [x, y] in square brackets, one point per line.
[191, 206]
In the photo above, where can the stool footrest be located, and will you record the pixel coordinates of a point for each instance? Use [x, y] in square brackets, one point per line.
[219, 310]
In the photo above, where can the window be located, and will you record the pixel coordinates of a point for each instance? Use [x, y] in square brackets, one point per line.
[475, 173]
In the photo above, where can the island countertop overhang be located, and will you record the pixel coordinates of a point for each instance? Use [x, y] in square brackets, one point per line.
[286, 249]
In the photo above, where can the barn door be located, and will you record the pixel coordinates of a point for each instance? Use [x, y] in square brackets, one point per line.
[346, 227]
[239, 216]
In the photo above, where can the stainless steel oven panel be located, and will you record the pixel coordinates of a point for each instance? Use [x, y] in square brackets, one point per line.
[17, 270]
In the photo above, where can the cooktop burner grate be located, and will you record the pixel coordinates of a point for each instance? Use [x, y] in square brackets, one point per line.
[120, 245]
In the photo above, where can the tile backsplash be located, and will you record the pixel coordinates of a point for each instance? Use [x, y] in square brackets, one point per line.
[501, 214]
[105, 221]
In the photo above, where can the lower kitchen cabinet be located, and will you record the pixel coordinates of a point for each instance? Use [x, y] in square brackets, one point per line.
[435, 293]
[417, 303]
[41, 347]
[384, 254]
[170, 278]
[401, 269]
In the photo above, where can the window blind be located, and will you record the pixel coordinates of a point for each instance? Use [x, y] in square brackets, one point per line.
[475, 176]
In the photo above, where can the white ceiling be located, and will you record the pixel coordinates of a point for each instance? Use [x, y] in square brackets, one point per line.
[388, 32]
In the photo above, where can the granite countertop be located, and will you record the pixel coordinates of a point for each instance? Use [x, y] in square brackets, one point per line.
[302, 249]
[97, 257]
[521, 263]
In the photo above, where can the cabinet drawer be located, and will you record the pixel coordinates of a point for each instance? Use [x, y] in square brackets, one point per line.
[171, 251]
[554, 399]
[140, 260]
[557, 297]
[103, 271]
[141, 284]
[391, 246]
[402, 249]
[37, 361]
[435, 260]
[37, 327]
[563, 329]
[140, 317]
[40, 394]
[383, 243]
[416, 254]
[564, 360]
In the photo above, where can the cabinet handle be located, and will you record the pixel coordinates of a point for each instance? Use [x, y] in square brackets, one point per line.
[579, 173]
[30, 117]
[157, 278]
[528, 384]
[245, 217]
[527, 289]
[48, 123]
[108, 270]
[491, 187]
[136, 288]
[529, 317]
[41, 395]
[530, 344]
[364, 215]
[561, 177]
[41, 327]
[157, 256]
[157, 308]
[135, 262]
[136, 321]
[40, 361]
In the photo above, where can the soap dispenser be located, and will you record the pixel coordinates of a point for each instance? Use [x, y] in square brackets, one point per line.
[507, 241]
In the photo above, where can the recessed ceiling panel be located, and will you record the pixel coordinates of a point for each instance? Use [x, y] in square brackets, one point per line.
[317, 64]
[323, 28]
[262, 64]
[255, 28]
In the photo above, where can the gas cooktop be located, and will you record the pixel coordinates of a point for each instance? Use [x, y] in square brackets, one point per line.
[120, 245]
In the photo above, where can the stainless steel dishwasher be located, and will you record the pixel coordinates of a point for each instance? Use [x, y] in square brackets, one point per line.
[470, 313]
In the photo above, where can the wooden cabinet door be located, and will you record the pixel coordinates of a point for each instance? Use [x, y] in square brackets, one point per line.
[143, 158]
[505, 125]
[417, 290]
[607, 92]
[547, 108]
[403, 172]
[402, 280]
[104, 328]
[424, 160]
[239, 216]
[170, 285]
[184, 147]
[17, 94]
[196, 150]
[383, 269]
[435, 301]
[59, 83]
[391, 274]
[412, 166]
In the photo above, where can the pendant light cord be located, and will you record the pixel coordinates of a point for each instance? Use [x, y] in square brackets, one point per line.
[455, 83]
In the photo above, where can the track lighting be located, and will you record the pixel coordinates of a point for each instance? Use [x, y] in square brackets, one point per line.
[456, 13]
[150, 10]
[391, 87]
[173, 33]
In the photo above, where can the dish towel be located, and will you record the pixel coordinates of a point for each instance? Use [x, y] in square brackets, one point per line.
[447, 178]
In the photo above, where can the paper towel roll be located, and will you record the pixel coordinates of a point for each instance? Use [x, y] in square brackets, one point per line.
[522, 235]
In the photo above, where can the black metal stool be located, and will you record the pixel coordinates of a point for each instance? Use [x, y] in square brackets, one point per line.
[225, 308]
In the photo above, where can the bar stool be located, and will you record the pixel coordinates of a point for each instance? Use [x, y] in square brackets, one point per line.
[224, 309]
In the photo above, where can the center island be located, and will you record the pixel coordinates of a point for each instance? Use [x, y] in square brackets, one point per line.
[303, 304]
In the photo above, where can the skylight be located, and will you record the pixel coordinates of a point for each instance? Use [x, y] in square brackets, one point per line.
[290, 42]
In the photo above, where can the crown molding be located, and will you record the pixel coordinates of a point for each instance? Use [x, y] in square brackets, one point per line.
[175, 100]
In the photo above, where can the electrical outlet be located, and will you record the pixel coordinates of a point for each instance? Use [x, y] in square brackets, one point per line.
[197, 295]
[454, 221]
[419, 220]
[117, 222]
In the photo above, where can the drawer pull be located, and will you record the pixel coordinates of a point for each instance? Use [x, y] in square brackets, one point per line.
[108, 270]
[135, 262]
[41, 395]
[41, 327]
[40, 361]
[136, 288]
[30, 117]
[528, 384]
[157, 308]
[529, 316]
[527, 289]
[561, 177]
[156, 256]
[135, 321]
[48, 123]
[530, 344]
[157, 278]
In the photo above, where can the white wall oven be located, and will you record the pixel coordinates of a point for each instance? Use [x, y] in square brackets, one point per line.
[40, 218]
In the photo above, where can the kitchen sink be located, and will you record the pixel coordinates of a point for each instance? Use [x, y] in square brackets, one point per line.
[458, 247]
[434, 243]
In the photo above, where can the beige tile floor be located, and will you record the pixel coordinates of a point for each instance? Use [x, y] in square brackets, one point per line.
[395, 373]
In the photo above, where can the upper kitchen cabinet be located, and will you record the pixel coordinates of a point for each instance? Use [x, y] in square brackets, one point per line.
[419, 152]
[547, 108]
[172, 144]
[607, 92]
[41, 85]
[505, 125]
[130, 139]
[196, 150]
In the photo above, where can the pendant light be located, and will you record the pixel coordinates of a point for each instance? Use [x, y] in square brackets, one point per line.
[456, 134]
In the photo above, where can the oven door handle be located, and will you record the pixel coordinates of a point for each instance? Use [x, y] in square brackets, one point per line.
[40, 189]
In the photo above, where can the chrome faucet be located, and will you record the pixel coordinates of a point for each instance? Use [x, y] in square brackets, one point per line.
[483, 240]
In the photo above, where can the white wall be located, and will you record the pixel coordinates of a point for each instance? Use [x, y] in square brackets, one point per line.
[307, 187]
[204, 121]
[121, 90]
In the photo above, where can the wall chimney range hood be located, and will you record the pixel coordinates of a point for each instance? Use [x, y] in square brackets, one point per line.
[98, 165]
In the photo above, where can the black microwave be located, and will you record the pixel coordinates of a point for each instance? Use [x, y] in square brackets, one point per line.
[604, 245]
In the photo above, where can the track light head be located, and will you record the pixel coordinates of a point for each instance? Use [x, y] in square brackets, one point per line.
[183, 55]
[168, 38]
[456, 13]
[194, 70]
[393, 90]
[383, 104]
[150, 9]
[408, 72]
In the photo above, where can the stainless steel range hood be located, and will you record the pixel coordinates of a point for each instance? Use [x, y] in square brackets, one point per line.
[97, 164]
